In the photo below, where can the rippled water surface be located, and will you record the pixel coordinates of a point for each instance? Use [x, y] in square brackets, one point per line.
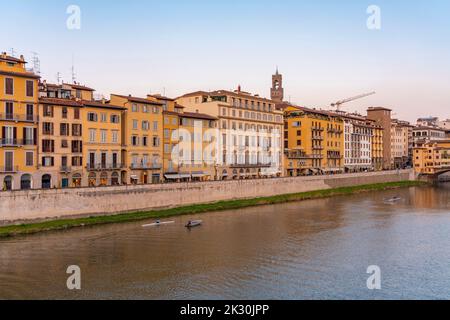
[318, 249]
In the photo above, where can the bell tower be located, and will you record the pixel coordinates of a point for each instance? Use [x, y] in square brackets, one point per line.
[277, 91]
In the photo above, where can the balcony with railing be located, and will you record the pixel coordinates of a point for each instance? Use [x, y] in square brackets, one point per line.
[145, 166]
[18, 117]
[250, 165]
[297, 154]
[104, 166]
[16, 142]
[9, 169]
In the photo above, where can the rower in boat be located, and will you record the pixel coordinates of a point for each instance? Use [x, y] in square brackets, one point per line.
[194, 223]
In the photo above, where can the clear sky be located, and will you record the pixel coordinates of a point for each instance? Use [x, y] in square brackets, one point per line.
[323, 48]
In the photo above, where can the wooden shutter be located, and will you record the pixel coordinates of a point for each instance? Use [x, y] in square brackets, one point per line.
[30, 88]
[25, 136]
[35, 136]
[9, 85]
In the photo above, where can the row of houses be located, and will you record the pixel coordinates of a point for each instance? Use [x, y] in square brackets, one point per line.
[60, 136]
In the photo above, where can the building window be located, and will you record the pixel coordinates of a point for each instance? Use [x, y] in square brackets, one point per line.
[166, 133]
[9, 86]
[48, 161]
[76, 130]
[135, 124]
[47, 128]
[115, 137]
[48, 146]
[145, 125]
[103, 134]
[64, 129]
[64, 144]
[29, 159]
[134, 140]
[155, 125]
[48, 111]
[115, 118]
[103, 117]
[155, 142]
[92, 117]
[76, 113]
[144, 141]
[134, 107]
[30, 88]
[92, 134]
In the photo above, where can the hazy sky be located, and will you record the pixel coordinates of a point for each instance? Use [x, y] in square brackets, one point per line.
[323, 48]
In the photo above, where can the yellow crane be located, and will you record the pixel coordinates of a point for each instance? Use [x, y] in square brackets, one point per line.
[338, 104]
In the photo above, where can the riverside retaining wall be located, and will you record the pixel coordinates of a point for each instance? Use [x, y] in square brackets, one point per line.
[60, 203]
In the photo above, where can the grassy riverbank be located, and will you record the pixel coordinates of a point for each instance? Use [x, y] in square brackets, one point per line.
[9, 231]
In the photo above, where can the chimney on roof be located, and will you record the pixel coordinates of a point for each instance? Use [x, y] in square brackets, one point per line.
[239, 88]
[22, 57]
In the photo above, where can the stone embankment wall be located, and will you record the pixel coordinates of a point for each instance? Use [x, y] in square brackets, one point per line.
[61, 203]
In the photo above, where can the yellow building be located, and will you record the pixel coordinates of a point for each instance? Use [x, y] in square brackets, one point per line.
[18, 122]
[249, 135]
[171, 124]
[432, 157]
[377, 146]
[60, 142]
[102, 145]
[182, 134]
[142, 132]
[313, 141]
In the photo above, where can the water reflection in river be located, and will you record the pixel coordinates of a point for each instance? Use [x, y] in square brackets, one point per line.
[318, 249]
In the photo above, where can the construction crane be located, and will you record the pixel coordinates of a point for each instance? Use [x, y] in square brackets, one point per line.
[338, 104]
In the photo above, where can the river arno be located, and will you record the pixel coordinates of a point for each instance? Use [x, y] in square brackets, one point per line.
[318, 249]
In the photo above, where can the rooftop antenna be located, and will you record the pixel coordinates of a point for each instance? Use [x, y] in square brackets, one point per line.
[73, 71]
[12, 52]
[164, 91]
[58, 77]
[36, 63]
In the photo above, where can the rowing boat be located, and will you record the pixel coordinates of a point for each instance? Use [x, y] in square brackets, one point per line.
[157, 224]
[394, 199]
[194, 223]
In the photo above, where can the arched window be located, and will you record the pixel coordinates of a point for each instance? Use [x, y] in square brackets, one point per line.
[115, 179]
[92, 179]
[46, 181]
[76, 180]
[104, 179]
[25, 182]
[7, 183]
